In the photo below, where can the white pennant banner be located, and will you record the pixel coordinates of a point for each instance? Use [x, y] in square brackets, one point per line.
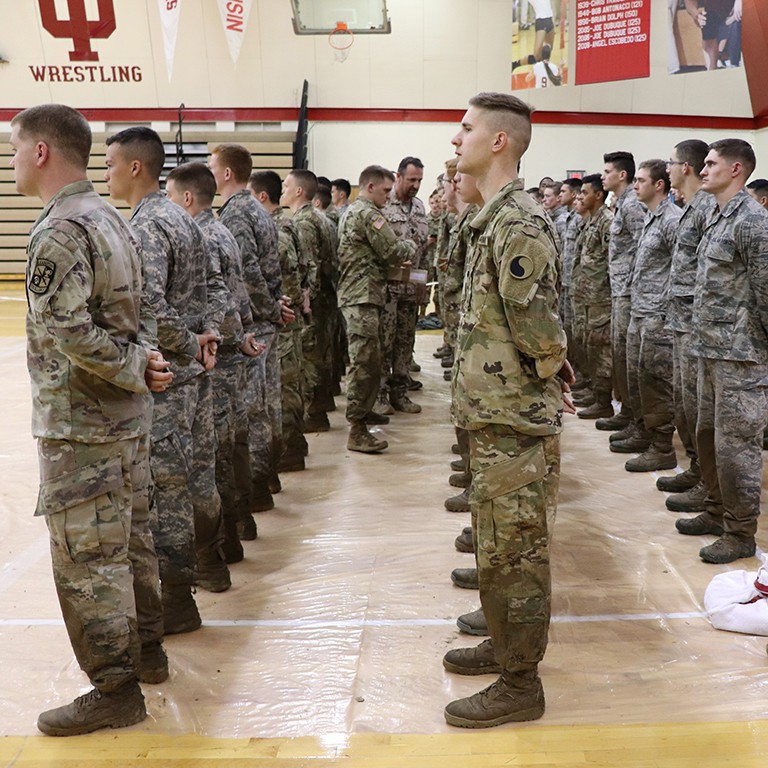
[234, 18]
[169, 20]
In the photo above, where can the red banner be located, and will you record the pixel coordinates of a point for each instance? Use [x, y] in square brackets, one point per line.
[612, 40]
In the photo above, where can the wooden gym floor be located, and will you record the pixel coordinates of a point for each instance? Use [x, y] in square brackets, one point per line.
[326, 651]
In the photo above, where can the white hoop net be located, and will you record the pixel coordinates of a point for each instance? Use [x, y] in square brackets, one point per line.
[341, 39]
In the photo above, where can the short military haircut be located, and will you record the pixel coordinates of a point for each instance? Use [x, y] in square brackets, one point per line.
[142, 144]
[508, 114]
[693, 152]
[375, 174]
[306, 180]
[62, 128]
[622, 161]
[556, 185]
[406, 161]
[342, 185]
[195, 178]
[759, 187]
[237, 158]
[736, 151]
[595, 180]
[657, 170]
[573, 183]
[324, 181]
[323, 196]
[269, 182]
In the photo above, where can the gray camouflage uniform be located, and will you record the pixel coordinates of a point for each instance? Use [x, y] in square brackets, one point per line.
[91, 417]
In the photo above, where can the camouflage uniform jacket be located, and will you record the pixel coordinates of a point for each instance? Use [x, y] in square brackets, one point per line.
[245, 217]
[176, 271]
[559, 218]
[590, 284]
[409, 222]
[626, 227]
[458, 245]
[573, 223]
[510, 342]
[85, 361]
[433, 229]
[320, 249]
[368, 246]
[730, 306]
[653, 261]
[447, 220]
[682, 279]
[225, 259]
[293, 264]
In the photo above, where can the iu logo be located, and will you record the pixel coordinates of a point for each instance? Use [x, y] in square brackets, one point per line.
[78, 27]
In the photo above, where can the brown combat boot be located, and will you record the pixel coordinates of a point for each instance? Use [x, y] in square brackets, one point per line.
[692, 500]
[682, 481]
[473, 623]
[466, 578]
[232, 548]
[464, 541]
[514, 697]
[180, 612]
[382, 406]
[458, 503]
[602, 408]
[153, 667]
[362, 441]
[613, 423]
[479, 660]
[659, 455]
[211, 573]
[96, 710]
[401, 402]
[728, 548]
[460, 479]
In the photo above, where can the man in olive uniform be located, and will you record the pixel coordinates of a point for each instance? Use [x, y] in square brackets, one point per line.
[367, 248]
[506, 393]
[88, 364]
[730, 320]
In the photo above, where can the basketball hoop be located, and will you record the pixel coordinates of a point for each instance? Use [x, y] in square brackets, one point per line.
[341, 39]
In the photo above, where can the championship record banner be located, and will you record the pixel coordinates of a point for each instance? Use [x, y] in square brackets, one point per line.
[612, 40]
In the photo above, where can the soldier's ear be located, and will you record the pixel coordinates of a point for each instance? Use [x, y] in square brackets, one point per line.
[135, 168]
[43, 152]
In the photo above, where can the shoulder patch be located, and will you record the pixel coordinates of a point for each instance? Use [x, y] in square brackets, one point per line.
[379, 223]
[531, 230]
[43, 272]
[521, 267]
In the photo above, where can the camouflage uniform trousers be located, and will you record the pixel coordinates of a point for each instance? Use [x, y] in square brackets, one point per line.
[579, 331]
[318, 347]
[183, 462]
[733, 414]
[597, 344]
[649, 366]
[363, 322]
[228, 411]
[515, 481]
[566, 316]
[273, 398]
[685, 372]
[398, 335]
[620, 317]
[95, 498]
[452, 305]
[289, 352]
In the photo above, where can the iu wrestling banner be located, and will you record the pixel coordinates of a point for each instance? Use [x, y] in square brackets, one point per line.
[234, 18]
[612, 40]
[169, 21]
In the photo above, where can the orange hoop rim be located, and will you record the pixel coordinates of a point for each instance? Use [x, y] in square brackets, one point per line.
[341, 28]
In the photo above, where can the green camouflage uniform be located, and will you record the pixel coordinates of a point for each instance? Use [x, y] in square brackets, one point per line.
[187, 297]
[649, 343]
[626, 227]
[91, 417]
[447, 220]
[570, 229]
[591, 298]
[256, 234]
[433, 229]
[730, 318]
[294, 267]
[682, 282]
[510, 347]
[319, 332]
[401, 310]
[367, 248]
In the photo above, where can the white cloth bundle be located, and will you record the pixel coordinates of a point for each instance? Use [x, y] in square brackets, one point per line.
[737, 601]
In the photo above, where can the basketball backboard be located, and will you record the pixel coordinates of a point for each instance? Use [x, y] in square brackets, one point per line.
[321, 17]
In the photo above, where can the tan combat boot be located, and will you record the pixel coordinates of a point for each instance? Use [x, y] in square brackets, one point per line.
[479, 660]
[361, 440]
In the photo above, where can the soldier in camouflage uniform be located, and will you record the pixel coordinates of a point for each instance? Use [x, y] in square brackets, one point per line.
[88, 364]
[568, 231]
[193, 187]
[649, 342]
[405, 214]
[591, 293]
[318, 336]
[266, 186]
[367, 248]
[188, 299]
[730, 318]
[256, 234]
[684, 167]
[511, 347]
[629, 215]
[433, 226]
